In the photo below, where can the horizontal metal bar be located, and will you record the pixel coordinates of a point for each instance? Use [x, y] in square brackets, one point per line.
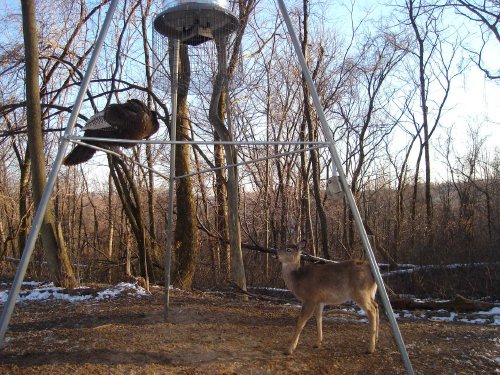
[248, 162]
[198, 142]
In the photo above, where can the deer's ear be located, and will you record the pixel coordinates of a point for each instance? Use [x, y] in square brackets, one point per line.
[302, 245]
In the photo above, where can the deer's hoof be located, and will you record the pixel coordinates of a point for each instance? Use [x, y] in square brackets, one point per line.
[289, 351]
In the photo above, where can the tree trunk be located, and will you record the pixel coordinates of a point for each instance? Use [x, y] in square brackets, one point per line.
[128, 266]
[23, 202]
[60, 268]
[132, 204]
[312, 126]
[414, 199]
[186, 233]
[151, 189]
[237, 267]
[222, 250]
[425, 125]
[111, 225]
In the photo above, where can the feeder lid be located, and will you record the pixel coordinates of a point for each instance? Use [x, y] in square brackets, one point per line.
[195, 22]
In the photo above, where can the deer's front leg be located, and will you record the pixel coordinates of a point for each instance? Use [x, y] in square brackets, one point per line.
[305, 315]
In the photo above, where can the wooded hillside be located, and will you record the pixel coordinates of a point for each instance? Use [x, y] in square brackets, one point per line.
[427, 183]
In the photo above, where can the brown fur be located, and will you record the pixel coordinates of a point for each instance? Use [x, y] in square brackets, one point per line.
[333, 283]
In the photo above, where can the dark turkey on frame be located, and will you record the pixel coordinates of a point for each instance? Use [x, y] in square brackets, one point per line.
[131, 120]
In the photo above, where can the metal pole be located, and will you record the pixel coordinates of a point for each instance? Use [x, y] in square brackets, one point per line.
[42, 207]
[171, 182]
[347, 191]
[197, 142]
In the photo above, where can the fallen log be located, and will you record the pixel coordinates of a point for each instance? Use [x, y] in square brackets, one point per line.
[458, 304]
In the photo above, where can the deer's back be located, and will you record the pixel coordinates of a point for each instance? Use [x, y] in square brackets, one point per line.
[331, 283]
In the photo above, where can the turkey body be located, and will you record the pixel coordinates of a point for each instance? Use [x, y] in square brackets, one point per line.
[131, 120]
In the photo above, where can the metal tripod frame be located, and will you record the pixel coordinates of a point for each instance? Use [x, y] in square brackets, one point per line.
[40, 212]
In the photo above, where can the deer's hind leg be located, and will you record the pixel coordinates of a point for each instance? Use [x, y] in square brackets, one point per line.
[318, 313]
[367, 303]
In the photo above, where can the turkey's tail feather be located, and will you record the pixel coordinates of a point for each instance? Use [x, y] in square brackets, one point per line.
[79, 154]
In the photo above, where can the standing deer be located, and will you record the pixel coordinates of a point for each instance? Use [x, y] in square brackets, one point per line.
[333, 283]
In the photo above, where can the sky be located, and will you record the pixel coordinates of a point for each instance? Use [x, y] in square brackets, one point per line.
[473, 100]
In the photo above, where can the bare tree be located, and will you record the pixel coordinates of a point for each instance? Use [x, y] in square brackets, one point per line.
[464, 169]
[485, 14]
[364, 111]
[216, 117]
[435, 58]
[237, 268]
[186, 231]
[53, 242]
[313, 154]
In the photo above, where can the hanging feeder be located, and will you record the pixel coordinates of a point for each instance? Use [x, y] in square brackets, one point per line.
[333, 188]
[195, 22]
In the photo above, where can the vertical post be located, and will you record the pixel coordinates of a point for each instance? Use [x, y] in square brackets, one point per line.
[347, 191]
[171, 181]
[49, 187]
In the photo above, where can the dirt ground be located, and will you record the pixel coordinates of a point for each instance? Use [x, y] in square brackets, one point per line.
[213, 333]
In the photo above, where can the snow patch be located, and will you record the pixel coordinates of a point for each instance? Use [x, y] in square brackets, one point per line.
[44, 291]
[493, 311]
[450, 318]
[132, 289]
[47, 291]
[491, 317]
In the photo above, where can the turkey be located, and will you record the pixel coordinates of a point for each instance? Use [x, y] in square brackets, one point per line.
[131, 120]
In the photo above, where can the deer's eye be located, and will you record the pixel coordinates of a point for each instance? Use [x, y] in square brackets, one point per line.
[288, 250]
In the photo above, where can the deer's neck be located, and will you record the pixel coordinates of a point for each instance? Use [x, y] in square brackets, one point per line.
[288, 273]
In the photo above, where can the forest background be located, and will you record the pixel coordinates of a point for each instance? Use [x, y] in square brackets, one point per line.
[410, 90]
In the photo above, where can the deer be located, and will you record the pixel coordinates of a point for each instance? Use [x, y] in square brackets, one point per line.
[317, 284]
